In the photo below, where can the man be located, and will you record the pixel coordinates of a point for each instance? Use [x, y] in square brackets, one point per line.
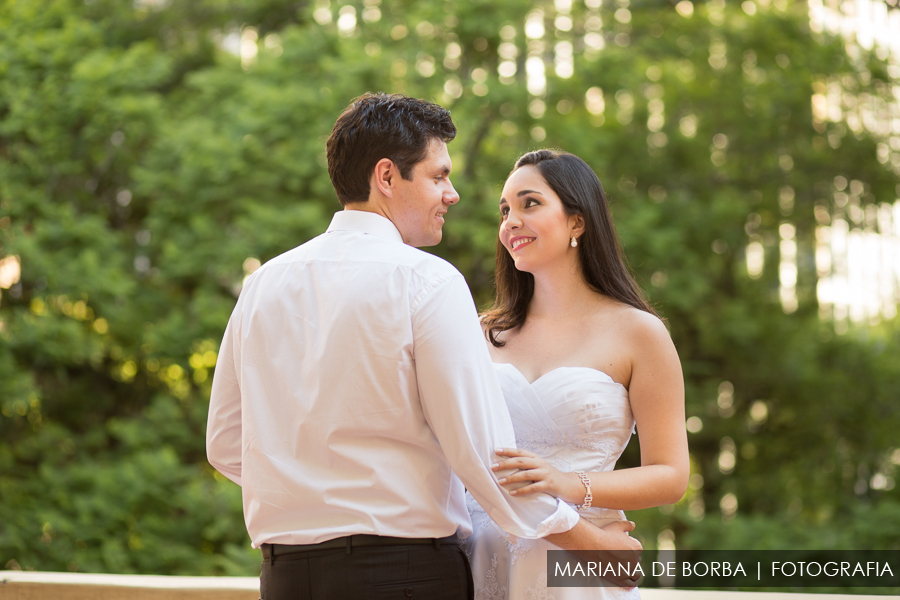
[353, 376]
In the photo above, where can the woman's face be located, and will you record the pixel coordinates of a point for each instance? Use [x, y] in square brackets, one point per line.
[535, 229]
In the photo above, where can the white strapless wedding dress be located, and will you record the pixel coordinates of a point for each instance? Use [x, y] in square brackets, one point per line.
[577, 419]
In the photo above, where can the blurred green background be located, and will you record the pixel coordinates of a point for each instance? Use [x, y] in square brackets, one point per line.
[154, 153]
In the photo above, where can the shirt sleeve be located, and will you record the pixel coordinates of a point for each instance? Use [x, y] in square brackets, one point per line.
[464, 406]
[223, 426]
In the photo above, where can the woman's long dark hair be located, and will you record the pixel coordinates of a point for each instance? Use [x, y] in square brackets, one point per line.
[603, 263]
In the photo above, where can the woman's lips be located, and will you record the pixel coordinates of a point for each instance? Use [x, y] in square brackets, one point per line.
[519, 242]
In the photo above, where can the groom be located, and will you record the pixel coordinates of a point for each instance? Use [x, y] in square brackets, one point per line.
[354, 399]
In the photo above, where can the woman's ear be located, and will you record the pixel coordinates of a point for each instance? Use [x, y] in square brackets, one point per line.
[576, 225]
[383, 177]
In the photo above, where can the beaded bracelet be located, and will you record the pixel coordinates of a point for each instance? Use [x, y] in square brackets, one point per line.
[588, 496]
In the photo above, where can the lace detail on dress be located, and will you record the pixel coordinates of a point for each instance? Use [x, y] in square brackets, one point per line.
[466, 548]
[539, 591]
[543, 441]
[563, 466]
[492, 589]
[517, 547]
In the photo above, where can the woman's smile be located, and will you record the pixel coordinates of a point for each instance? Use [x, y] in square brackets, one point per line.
[520, 241]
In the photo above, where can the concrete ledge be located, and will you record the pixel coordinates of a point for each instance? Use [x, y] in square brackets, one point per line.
[649, 594]
[34, 585]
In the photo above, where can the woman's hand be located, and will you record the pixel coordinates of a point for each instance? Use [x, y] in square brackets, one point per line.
[538, 476]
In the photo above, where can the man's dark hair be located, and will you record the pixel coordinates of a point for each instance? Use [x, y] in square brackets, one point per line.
[376, 126]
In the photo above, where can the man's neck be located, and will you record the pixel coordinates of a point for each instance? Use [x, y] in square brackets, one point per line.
[368, 206]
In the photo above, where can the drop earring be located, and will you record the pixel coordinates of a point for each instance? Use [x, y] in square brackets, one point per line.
[574, 242]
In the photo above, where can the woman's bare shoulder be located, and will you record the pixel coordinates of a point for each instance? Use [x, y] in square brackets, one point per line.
[635, 331]
[647, 342]
[644, 324]
[629, 320]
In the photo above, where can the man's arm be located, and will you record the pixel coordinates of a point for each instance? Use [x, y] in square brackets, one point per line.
[610, 544]
[223, 426]
[463, 404]
[585, 536]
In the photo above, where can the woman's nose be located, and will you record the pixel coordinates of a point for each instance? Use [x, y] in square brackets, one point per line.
[512, 221]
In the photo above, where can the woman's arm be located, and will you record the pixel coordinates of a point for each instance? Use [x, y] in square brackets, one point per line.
[656, 393]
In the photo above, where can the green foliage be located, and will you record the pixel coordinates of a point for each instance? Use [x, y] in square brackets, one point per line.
[144, 170]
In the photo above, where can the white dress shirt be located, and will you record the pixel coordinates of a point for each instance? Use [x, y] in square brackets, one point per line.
[353, 376]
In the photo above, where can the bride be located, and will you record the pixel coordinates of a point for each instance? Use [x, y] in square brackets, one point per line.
[582, 357]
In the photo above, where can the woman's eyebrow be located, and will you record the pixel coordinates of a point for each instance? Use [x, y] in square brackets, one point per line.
[525, 192]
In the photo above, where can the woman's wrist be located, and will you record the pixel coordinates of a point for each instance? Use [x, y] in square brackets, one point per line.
[574, 488]
[588, 496]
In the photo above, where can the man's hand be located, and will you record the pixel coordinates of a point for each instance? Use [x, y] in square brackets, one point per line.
[625, 551]
[629, 553]
[609, 544]
[618, 531]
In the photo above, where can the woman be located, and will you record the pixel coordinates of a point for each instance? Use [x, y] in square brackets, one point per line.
[582, 357]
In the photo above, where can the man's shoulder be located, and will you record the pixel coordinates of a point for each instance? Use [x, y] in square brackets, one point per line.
[377, 253]
[427, 265]
[295, 254]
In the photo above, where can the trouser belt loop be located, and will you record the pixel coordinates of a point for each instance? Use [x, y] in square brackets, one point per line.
[349, 544]
[437, 544]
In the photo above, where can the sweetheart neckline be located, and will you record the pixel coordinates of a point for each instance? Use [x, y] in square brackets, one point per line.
[531, 383]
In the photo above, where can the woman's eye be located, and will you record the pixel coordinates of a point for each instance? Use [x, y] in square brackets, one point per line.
[530, 202]
[504, 211]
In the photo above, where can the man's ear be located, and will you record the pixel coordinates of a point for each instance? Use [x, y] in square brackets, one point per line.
[383, 176]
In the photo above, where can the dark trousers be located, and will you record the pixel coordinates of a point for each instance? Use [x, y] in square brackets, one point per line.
[435, 572]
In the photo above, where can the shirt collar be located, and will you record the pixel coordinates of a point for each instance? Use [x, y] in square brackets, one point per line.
[365, 222]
